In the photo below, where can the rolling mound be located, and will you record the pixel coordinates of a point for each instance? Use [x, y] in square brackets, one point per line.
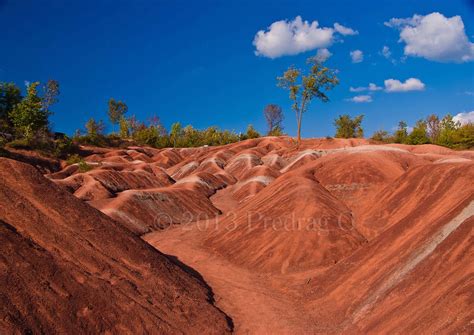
[415, 275]
[291, 225]
[336, 236]
[355, 175]
[67, 268]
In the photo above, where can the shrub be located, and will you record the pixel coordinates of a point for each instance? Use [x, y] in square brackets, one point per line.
[74, 159]
[401, 133]
[346, 127]
[83, 166]
[382, 136]
[419, 134]
[250, 133]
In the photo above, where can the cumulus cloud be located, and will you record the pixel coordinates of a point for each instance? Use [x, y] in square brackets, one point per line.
[357, 56]
[361, 99]
[322, 55]
[293, 37]
[344, 30]
[372, 87]
[434, 37]
[464, 118]
[411, 84]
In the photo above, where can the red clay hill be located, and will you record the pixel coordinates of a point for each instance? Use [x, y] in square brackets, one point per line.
[336, 236]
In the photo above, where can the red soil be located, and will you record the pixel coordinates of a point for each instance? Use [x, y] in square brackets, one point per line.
[337, 236]
[67, 268]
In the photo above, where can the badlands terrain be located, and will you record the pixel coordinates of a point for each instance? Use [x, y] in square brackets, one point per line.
[336, 236]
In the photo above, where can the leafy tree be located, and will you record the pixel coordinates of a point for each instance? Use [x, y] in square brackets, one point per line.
[95, 128]
[117, 110]
[447, 132]
[303, 88]
[10, 95]
[464, 138]
[382, 136]
[349, 128]
[274, 117]
[251, 132]
[29, 116]
[401, 133]
[124, 127]
[419, 134]
[277, 131]
[175, 133]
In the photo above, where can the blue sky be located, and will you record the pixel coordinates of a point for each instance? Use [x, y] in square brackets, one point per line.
[195, 61]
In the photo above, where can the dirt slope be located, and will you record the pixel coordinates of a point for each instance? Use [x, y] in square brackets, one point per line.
[336, 236]
[292, 225]
[67, 268]
[416, 275]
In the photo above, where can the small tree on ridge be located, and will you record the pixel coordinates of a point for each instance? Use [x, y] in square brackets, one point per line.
[303, 88]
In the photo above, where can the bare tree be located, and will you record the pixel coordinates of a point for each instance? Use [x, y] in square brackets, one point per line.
[274, 117]
[433, 124]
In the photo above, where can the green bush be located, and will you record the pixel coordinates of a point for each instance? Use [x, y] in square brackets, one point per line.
[74, 159]
[346, 127]
[382, 136]
[83, 166]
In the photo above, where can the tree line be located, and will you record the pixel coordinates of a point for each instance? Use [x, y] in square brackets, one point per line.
[24, 120]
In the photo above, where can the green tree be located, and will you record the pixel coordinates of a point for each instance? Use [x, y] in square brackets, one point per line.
[29, 116]
[10, 95]
[464, 138]
[349, 128]
[176, 133]
[124, 126]
[303, 88]
[382, 136]
[116, 112]
[419, 134]
[274, 117]
[401, 134]
[94, 128]
[251, 132]
[447, 132]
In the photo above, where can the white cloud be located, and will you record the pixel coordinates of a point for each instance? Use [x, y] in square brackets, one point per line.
[323, 54]
[464, 118]
[386, 52]
[344, 30]
[357, 56]
[434, 37]
[361, 99]
[411, 84]
[372, 87]
[292, 37]
[469, 93]
[357, 89]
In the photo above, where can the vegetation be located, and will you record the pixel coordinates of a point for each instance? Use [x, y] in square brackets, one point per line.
[304, 88]
[24, 122]
[117, 110]
[349, 128]
[28, 116]
[445, 132]
[10, 96]
[274, 117]
[382, 136]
